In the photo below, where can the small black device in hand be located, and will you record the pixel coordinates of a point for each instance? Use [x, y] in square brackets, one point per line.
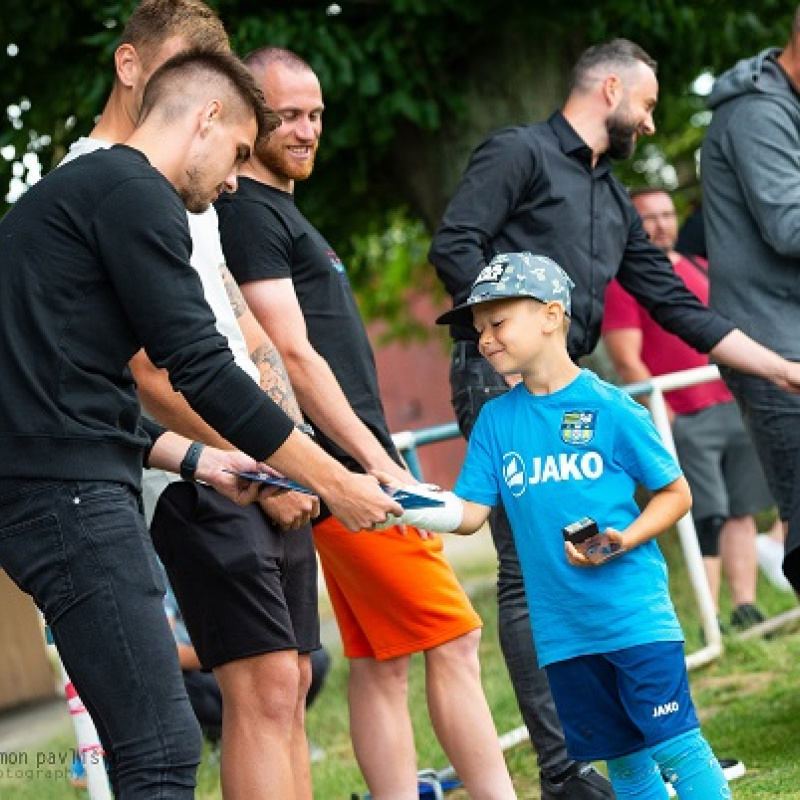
[578, 532]
[588, 540]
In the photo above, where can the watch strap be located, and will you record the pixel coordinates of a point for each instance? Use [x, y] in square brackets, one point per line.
[188, 466]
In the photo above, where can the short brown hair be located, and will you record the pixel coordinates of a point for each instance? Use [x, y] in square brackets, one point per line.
[152, 22]
[617, 53]
[174, 80]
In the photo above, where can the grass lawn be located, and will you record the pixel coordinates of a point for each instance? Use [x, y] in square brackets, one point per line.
[749, 701]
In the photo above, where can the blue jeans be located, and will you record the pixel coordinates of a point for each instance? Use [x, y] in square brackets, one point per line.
[772, 417]
[474, 382]
[82, 551]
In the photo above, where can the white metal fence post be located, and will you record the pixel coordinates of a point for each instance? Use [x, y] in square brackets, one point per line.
[690, 545]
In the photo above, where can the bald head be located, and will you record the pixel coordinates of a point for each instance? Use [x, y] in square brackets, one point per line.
[259, 61]
[293, 91]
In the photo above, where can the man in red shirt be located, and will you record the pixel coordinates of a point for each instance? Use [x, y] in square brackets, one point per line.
[714, 449]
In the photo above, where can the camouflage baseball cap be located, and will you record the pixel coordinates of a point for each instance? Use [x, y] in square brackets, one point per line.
[511, 275]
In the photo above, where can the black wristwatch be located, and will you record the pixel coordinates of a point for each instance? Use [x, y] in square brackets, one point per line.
[189, 463]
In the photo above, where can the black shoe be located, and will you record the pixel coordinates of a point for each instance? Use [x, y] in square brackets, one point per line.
[580, 782]
[745, 616]
[732, 768]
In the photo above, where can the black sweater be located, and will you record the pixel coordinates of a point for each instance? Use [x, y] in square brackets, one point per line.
[94, 265]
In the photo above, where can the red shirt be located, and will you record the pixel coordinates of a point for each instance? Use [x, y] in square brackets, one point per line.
[663, 352]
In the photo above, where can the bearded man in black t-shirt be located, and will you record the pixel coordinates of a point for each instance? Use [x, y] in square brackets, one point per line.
[394, 593]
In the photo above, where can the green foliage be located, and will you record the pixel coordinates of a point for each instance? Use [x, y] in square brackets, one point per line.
[688, 39]
[382, 258]
[389, 69]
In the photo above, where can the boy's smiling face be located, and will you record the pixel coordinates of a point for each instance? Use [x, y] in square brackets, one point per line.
[510, 332]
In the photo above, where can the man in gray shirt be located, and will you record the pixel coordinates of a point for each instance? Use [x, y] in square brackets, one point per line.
[751, 200]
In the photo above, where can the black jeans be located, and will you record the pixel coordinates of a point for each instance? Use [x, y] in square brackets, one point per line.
[474, 382]
[82, 551]
[772, 417]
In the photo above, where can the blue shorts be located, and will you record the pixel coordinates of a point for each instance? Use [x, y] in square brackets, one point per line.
[614, 704]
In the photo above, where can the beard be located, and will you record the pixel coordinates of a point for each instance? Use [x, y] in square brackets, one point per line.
[621, 136]
[195, 198]
[195, 204]
[273, 156]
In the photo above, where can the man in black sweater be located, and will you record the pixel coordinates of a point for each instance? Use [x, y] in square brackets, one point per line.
[251, 626]
[94, 264]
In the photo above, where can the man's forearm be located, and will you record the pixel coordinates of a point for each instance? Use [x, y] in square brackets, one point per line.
[326, 405]
[275, 380]
[739, 351]
[168, 406]
[273, 376]
[458, 261]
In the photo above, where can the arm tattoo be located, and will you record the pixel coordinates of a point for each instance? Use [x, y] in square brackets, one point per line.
[275, 380]
[235, 297]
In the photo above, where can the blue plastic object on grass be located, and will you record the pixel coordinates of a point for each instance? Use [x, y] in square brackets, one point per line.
[431, 787]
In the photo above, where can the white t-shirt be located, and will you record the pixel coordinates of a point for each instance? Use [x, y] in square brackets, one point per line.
[207, 258]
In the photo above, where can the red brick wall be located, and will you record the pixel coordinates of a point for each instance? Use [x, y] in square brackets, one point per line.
[416, 391]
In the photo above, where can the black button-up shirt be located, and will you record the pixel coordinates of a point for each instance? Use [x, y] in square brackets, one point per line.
[534, 188]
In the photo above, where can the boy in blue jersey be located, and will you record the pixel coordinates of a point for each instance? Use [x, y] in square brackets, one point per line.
[563, 445]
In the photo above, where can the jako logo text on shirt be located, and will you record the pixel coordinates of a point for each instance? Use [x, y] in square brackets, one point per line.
[561, 467]
[567, 467]
[667, 708]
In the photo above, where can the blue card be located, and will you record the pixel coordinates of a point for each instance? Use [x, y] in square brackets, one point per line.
[405, 498]
[410, 500]
[272, 480]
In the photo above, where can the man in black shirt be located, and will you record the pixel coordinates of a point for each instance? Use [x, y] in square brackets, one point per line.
[548, 188]
[94, 264]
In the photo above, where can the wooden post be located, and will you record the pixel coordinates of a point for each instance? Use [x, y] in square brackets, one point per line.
[25, 671]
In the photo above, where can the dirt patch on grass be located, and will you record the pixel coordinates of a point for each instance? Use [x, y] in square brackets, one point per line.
[723, 688]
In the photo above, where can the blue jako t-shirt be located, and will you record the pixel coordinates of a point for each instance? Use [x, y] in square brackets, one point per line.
[552, 459]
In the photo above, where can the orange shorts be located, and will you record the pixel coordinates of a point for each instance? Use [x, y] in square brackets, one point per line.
[393, 594]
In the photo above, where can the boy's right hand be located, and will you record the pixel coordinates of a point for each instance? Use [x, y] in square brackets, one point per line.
[597, 550]
[391, 481]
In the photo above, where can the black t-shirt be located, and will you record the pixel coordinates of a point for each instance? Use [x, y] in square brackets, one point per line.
[265, 237]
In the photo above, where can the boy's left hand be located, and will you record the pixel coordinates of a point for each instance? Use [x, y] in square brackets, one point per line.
[597, 550]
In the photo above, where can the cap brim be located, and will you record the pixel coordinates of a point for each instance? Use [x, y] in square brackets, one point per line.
[462, 314]
[458, 315]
